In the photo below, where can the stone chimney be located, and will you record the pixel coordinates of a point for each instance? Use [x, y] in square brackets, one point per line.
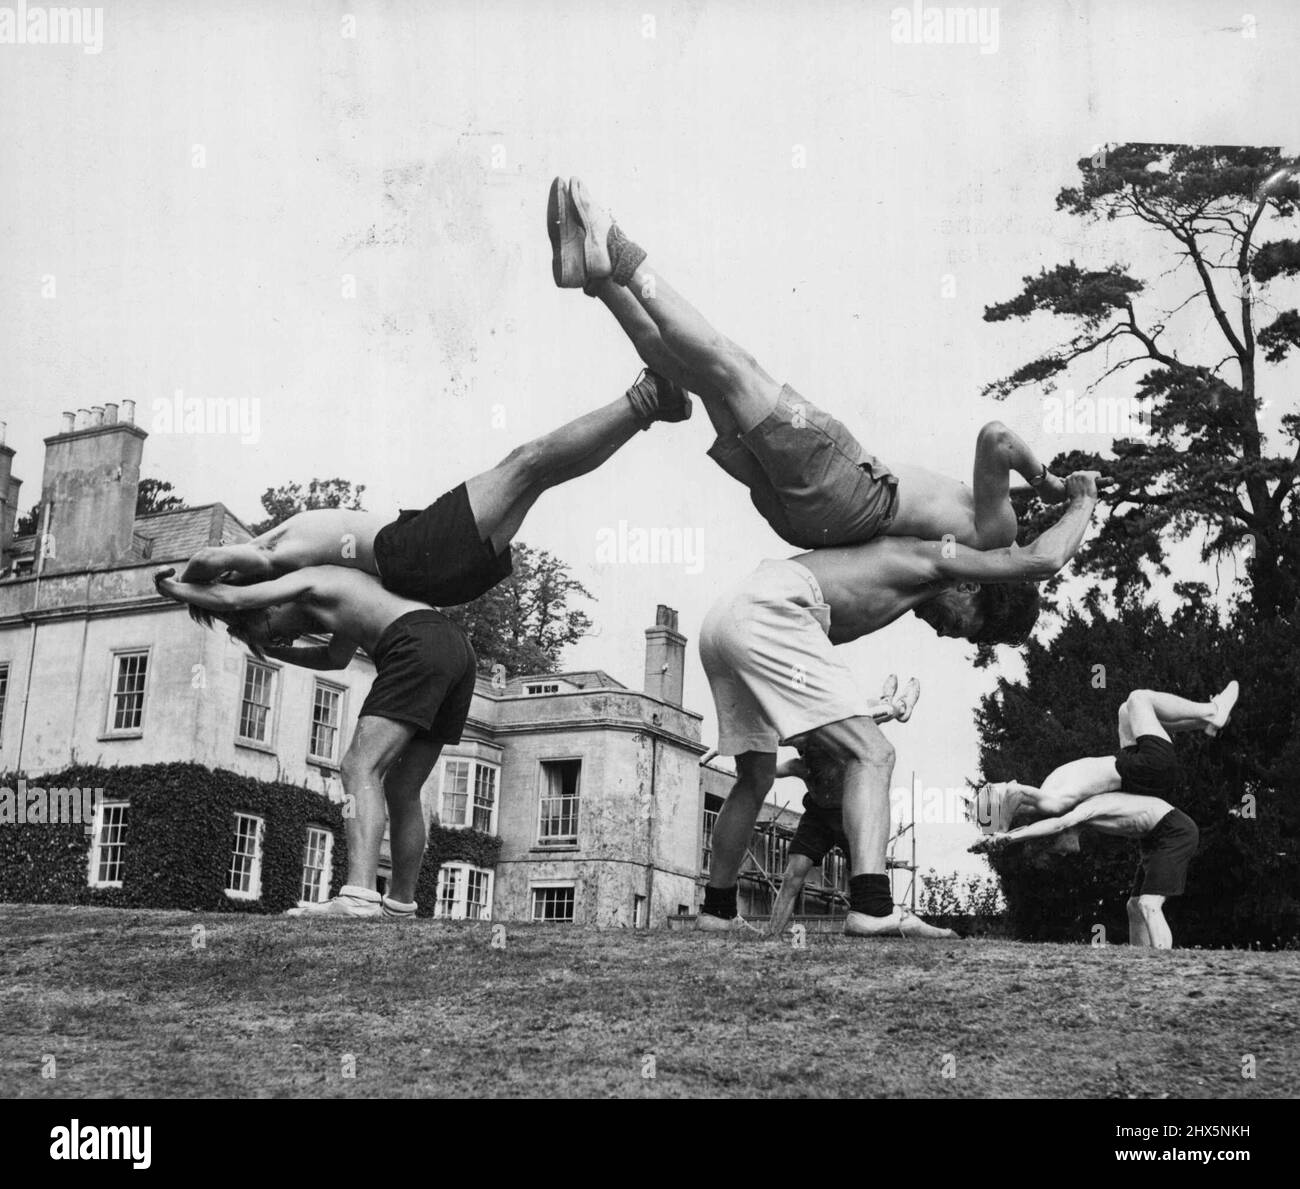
[665, 658]
[9, 490]
[92, 476]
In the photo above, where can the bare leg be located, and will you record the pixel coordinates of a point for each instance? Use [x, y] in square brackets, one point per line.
[1153, 917]
[376, 744]
[1137, 925]
[407, 833]
[735, 823]
[867, 760]
[796, 872]
[499, 498]
[1153, 713]
[713, 361]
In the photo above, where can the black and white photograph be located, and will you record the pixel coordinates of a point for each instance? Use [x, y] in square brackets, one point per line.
[607, 549]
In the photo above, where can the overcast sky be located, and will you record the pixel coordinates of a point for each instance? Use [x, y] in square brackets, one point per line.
[207, 191]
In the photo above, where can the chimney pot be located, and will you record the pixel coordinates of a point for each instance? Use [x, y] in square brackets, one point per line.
[2, 432]
[83, 419]
[110, 412]
[97, 415]
[665, 657]
[68, 420]
[128, 411]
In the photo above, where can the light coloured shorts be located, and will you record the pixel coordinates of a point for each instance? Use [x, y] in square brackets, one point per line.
[771, 666]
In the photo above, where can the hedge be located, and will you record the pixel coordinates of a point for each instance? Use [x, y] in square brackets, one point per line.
[180, 836]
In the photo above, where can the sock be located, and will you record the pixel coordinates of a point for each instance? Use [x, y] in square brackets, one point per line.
[625, 257]
[720, 902]
[357, 892]
[643, 396]
[870, 894]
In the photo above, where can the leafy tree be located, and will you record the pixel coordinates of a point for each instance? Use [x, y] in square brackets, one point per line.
[1207, 463]
[155, 495]
[526, 622]
[288, 500]
[1241, 788]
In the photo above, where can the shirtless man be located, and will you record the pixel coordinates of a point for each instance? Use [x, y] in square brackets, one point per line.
[1167, 838]
[459, 547]
[767, 649]
[1145, 763]
[821, 826]
[424, 682]
[807, 475]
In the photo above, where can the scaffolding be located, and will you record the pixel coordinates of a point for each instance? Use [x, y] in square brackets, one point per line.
[893, 863]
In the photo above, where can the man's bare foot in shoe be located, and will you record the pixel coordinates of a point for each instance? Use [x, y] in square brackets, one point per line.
[654, 398]
[899, 923]
[1223, 702]
[707, 923]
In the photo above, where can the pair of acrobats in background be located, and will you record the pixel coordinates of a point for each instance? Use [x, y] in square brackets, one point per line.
[1120, 795]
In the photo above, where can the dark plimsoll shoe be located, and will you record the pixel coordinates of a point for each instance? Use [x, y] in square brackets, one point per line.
[654, 398]
[567, 234]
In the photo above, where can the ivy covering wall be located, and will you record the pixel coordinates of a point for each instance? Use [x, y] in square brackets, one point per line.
[180, 837]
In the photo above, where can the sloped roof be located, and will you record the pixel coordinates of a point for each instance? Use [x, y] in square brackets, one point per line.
[184, 531]
[173, 535]
[582, 678]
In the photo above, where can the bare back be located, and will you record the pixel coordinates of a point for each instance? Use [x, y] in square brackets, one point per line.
[1123, 814]
[321, 537]
[352, 604]
[869, 586]
[932, 506]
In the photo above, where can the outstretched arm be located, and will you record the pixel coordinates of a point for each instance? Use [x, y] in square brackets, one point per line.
[337, 654]
[221, 598]
[1035, 562]
[221, 562]
[1046, 828]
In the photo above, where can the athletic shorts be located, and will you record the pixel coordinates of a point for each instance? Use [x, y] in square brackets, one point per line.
[1148, 767]
[424, 675]
[772, 669]
[813, 482]
[1166, 852]
[438, 556]
[820, 831]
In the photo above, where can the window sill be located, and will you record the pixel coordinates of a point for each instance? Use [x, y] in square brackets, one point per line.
[250, 896]
[253, 745]
[547, 848]
[110, 736]
[326, 765]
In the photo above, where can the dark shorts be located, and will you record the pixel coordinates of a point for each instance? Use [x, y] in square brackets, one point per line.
[1148, 767]
[1166, 852]
[438, 556]
[424, 675]
[820, 831]
[809, 478]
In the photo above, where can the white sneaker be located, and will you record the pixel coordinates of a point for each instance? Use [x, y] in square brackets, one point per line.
[905, 702]
[706, 922]
[899, 923]
[351, 901]
[1223, 702]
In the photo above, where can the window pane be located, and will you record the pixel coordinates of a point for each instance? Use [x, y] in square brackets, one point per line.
[128, 691]
[326, 711]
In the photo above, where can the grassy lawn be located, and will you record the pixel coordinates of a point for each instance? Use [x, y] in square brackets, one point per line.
[273, 1007]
